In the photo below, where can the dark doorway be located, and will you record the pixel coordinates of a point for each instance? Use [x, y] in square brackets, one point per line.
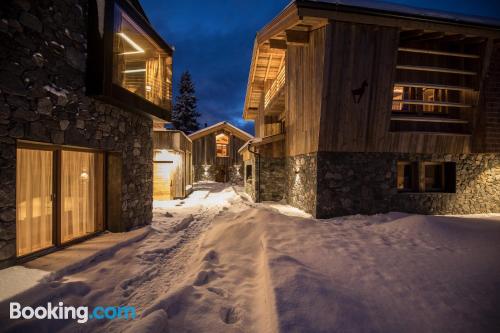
[220, 176]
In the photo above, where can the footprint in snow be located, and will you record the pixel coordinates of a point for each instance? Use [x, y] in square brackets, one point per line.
[229, 314]
[205, 277]
[212, 257]
[218, 291]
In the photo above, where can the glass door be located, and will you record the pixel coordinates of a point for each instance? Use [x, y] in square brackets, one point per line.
[81, 193]
[34, 200]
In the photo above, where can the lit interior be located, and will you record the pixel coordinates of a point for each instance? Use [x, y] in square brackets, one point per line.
[139, 64]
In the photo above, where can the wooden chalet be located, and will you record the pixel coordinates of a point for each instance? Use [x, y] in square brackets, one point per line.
[172, 164]
[370, 107]
[215, 153]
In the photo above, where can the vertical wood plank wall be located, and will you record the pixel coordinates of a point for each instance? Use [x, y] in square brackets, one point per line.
[304, 73]
[204, 150]
[181, 176]
[355, 53]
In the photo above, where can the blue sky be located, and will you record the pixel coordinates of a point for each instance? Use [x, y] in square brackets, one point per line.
[214, 39]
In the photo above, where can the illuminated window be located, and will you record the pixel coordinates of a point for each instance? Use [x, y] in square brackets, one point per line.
[429, 96]
[139, 64]
[397, 96]
[407, 175]
[222, 141]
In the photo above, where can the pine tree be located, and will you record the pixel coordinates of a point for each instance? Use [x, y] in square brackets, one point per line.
[184, 115]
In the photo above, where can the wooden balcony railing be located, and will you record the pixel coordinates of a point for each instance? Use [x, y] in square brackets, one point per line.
[275, 88]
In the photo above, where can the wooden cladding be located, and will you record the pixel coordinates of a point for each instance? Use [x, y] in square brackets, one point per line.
[436, 76]
[357, 54]
[304, 73]
[205, 150]
[172, 165]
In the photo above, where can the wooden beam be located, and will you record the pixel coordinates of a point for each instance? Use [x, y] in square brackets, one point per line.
[433, 86]
[268, 67]
[279, 44]
[296, 37]
[420, 102]
[474, 40]
[454, 38]
[429, 119]
[450, 54]
[409, 34]
[488, 49]
[435, 69]
[409, 23]
[287, 19]
[430, 36]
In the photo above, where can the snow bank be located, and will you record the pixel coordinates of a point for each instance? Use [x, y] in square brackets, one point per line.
[216, 263]
[264, 271]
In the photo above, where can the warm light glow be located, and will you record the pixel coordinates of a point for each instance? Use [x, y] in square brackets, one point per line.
[137, 48]
[164, 155]
[165, 172]
[140, 70]
[205, 169]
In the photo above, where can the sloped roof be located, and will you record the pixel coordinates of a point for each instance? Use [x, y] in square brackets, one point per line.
[309, 15]
[221, 125]
[383, 7]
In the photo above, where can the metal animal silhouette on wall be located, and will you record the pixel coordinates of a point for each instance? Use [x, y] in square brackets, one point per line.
[359, 92]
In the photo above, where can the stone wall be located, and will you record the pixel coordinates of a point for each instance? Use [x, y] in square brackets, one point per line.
[236, 174]
[250, 183]
[365, 183]
[272, 179]
[42, 99]
[300, 182]
[203, 173]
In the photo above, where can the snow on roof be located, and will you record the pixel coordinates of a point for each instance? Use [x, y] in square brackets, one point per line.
[248, 143]
[214, 127]
[388, 7]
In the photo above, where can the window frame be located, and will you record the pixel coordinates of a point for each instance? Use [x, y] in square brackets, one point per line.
[414, 176]
[226, 145]
[99, 72]
[101, 224]
[448, 177]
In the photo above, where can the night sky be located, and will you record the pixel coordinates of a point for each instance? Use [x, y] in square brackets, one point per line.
[214, 39]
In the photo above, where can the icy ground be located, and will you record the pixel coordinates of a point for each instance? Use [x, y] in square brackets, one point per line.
[215, 262]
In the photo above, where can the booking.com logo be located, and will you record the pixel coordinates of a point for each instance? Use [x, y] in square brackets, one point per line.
[81, 313]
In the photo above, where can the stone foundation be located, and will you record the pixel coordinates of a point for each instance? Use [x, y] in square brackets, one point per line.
[250, 182]
[236, 174]
[365, 183]
[43, 99]
[272, 179]
[300, 182]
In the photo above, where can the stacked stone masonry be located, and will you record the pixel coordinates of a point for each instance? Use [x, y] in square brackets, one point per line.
[365, 183]
[42, 99]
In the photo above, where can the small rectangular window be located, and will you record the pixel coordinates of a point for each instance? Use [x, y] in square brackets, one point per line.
[222, 141]
[440, 177]
[407, 175]
[248, 172]
[434, 177]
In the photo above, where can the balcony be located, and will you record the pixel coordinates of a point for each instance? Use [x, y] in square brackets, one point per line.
[274, 99]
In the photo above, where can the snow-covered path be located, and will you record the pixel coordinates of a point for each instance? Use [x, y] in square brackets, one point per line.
[215, 262]
[137, 275]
